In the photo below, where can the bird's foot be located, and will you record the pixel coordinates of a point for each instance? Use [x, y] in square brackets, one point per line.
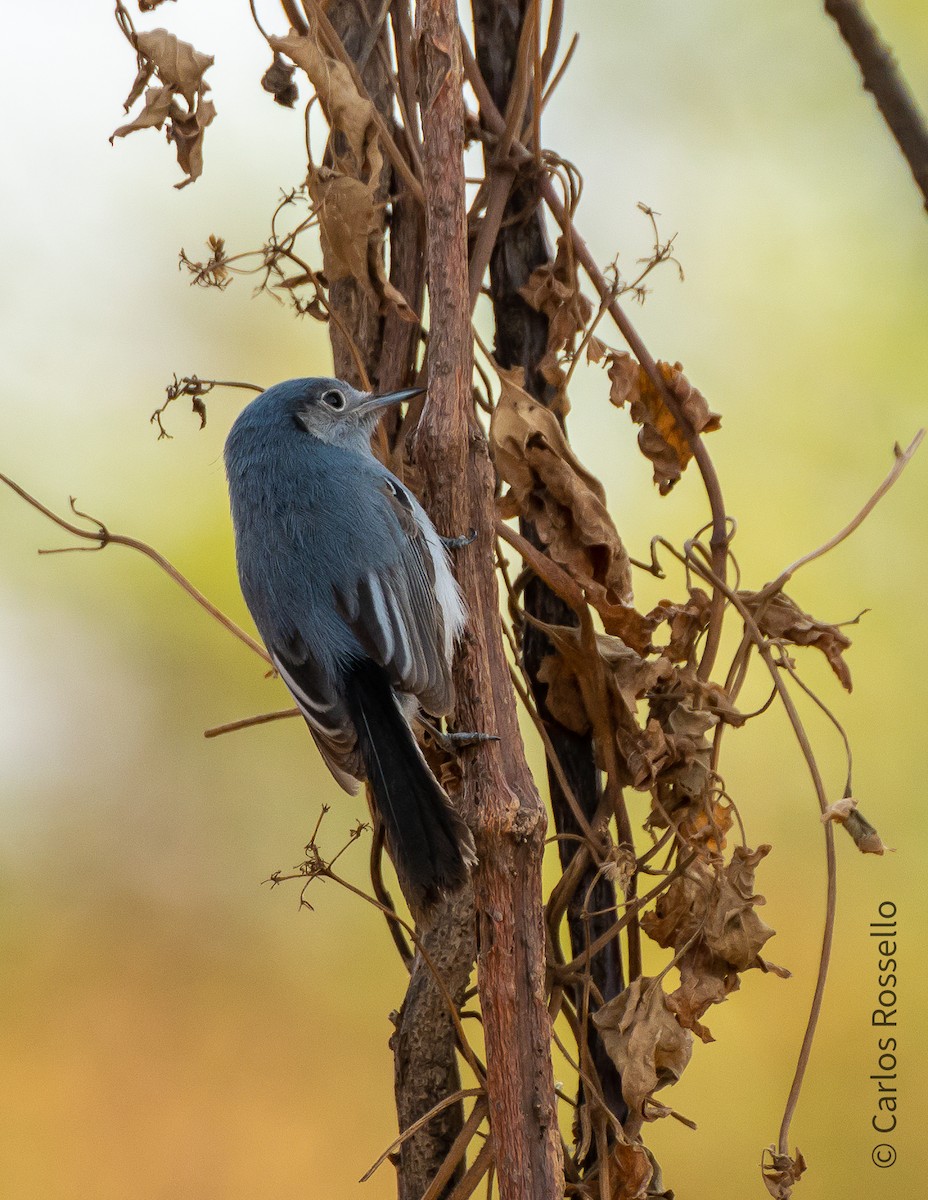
[455, 543]
[454, 742]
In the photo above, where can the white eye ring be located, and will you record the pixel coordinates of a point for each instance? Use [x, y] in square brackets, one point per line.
[334, 399]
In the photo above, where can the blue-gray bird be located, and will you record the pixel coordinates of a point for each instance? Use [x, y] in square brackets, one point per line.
[351, 589]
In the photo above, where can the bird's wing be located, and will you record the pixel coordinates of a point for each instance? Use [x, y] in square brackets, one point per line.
[324, 712]
[395, 611]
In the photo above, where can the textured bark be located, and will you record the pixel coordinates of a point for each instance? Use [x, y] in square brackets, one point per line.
[424, 1048]
[498, 794]
[521, 341]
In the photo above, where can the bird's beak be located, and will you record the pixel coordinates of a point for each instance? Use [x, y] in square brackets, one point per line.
[387, 399]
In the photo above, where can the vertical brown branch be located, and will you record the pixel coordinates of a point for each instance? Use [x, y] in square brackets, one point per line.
[498, 793]
[521, 341]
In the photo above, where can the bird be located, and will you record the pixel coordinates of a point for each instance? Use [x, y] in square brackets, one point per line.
[351, 589]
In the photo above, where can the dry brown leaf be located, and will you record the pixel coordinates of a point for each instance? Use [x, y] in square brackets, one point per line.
[177, 64]
[678, 913]
[865, 836]
[660, 438]
[721, 908]
[186, 132]
[781, 618]
[840, 810]
[733, 930]
[348, 113]
[781, 1173]
[644, 1040]
[705, 824]
[626, 622]
[157, 110]
[705, 980]
[631, 1172]
[557, 494]
[572, 696]
[651, 754]
[347, 218]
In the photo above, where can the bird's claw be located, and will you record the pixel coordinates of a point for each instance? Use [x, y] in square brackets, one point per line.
[455, 543]
[453, 743]
[462, 739]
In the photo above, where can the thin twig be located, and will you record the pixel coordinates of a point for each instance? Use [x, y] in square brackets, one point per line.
[461, 1094]
[247, 722]
[902, 460]
[457, 1150]
[102, 537]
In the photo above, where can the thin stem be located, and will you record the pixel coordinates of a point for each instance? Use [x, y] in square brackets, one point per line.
[103, 537]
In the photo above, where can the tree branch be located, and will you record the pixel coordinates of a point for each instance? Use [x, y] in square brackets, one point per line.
[883, 79]
[498, 794]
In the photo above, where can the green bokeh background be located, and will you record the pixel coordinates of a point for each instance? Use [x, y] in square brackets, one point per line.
[169, 1027]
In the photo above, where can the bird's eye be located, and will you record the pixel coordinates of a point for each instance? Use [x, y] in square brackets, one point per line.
[334, 399]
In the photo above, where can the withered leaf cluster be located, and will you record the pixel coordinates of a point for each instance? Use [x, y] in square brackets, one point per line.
[348, 190]
[709, 918]
[178, 101]
[781, 1173]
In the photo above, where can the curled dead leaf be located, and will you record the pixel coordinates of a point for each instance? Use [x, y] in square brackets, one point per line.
[780, 618]
[733, 930]
[840, 810]
[719, 907]
[278, 80]
[865, 836]
[553, 490]
[660, 438]
[571, 678]
[705, 979]
[644, 1040]
[632, 1171]
[686, 622]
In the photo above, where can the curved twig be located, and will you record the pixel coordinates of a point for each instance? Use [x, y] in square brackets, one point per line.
[102, 537]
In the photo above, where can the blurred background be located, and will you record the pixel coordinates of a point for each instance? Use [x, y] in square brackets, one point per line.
[169, 1027]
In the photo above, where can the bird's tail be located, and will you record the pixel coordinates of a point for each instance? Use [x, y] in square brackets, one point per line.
[431, 846]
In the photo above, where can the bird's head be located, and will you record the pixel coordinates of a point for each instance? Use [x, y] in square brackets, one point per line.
[328, 409]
